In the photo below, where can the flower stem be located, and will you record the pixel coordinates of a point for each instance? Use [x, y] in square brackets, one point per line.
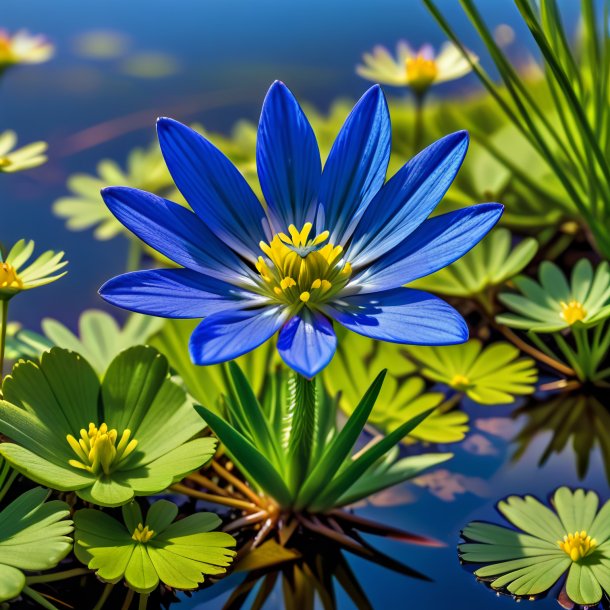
[143, 601]
[418, 132]
[302, 428]
[242, 487]
[3, 335]
[105, 595]
[32, 580]
[39, 599]
[128, 599]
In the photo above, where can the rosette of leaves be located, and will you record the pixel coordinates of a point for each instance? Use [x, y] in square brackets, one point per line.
[402, 396]
[480, 271]
[544, 545]
[34, 535]
[490, 376]
[303, 462]
[84, 208]
[106, 440]
[554, 303]
[146, 550]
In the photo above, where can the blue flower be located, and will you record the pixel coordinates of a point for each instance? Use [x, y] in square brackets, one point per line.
[331, 245]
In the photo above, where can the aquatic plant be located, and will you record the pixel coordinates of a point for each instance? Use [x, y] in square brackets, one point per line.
[415, 69]
[19, 159]
[34, 536]
[296, 460]
[23, 48]
[145, 551]
[571, 135]
[106, 441]
[492, 375]
[367, 242]
[402, 396]
[553, 303]
[545, 544]
[479, 272]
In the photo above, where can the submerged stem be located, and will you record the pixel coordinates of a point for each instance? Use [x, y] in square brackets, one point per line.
[105, 595]
[200, 495]
[143, 601]
[128, 599]
[32, 580]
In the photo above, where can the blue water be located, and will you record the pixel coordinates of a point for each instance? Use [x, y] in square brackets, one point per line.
[227, 52]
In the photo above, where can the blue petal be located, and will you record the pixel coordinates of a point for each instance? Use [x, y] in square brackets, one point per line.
[407, 199]
[307, 343]
[402, 315]
[287, 159]
[435, 244]
[173, 293]
[175, 232]
[231, 334]
[213, 187]
[357, 165]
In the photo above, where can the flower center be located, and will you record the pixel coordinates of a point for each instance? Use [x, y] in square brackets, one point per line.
[6, 51]
[577, 545]
[142, 534]
[9, 277]
[300, 270]
[97, 449]
[460, 382]
[572, 312]
[421, 71]
[5, 162]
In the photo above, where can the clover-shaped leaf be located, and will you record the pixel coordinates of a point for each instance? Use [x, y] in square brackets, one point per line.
[544, 544]
[144, 551]
[107, 441]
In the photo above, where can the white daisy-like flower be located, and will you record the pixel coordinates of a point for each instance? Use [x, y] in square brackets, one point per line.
[23, 48]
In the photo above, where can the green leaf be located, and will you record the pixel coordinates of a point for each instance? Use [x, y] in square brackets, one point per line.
[253, 464]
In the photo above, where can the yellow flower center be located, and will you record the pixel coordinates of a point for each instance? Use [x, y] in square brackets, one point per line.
[97, 449]
[5, 162]
[142, 534]
[421, 72]
[577, 545]
[300, 270]
[460, 382]
[572, 311]
[6, 50]
[9, 277]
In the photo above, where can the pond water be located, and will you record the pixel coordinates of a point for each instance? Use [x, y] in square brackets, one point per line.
[219, 58]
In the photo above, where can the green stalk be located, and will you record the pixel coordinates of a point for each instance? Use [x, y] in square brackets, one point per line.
[302, 429]
[33, 580]
[3, 335]
[105, 595]
[39, 599]
[143, 601]
[418, 131]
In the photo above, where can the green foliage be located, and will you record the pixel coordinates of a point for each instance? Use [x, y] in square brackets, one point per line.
[402, 396]
[488, 265]
[490, 376]
[34, 535]
[47, 406]
[529, 559]
[261, 440]
[146, 551]
[572, 137]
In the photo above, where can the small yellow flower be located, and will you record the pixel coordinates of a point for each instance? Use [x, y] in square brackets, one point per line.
[16, 275]
[23, 48]
[15, 160]
[416, 69]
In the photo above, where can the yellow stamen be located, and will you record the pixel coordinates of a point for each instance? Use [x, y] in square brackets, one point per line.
[299, 270]
[460, 382]
[421, 72]
[577, 545]
[5, 162]
[9, 277]
[572, 311]
[97, 449]
[142, 534]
